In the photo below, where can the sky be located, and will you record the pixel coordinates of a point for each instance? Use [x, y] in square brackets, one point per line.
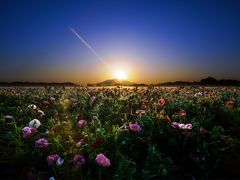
[152, 41]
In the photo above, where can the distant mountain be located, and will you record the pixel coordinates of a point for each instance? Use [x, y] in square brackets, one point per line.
[209, 81]
[113, 82]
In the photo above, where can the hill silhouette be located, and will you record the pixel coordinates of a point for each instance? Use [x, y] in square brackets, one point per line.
[113, 82]
[209, 81]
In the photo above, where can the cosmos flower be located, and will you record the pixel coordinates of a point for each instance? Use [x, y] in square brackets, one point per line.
[52, 158]
[28, 132]
[94, 117]
[182, 113]
[41, 112]
[140, 111]
[41, 143]
[161, 102]
[32, 106]
[198, 94]
[82, 123]
[177, 125]
[187, 126]
[230, 103]
[8, 117]
[103, 160]
[35, 123]
[93, 98]
[60, 161]
[79, 160]
[52, 99]
[80, 142]
[135, 128]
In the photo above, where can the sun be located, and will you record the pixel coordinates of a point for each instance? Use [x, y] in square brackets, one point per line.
[120, 75]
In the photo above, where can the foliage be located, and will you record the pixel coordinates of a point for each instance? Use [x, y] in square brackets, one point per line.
[134, 128]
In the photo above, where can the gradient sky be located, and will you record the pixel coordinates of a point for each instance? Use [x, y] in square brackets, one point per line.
[153, 40]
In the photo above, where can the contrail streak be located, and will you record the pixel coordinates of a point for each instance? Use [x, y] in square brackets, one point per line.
[88, 45]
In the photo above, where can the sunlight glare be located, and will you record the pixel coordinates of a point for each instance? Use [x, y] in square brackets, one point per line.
[120, 75]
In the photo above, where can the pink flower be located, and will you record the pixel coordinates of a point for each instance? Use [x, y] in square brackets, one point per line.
[79, 159]
[103, 160]
[93, 98]
[52, 158]
[52, 99]
[82, 123]
[28, 132]
[202, 131]
[187, 126]
[140, 111]
[175, 125]
[182, 113]
[41, 143]
[161, 102]
[135, 128]
[80, 142]
[8, 117]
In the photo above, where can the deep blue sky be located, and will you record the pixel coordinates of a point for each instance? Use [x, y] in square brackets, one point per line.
[153, 40]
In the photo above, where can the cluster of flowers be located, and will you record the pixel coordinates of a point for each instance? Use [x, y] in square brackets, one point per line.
[177, 125]
[78, 160]
[30, 130]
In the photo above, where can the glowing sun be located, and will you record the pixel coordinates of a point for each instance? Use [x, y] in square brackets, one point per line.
[120, 75]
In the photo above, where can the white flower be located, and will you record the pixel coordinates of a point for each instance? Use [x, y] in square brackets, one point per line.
[8, 117]
[32, 106]
[47, 132]
[60, 161]
[41, 112]
[35, 123]
[198, 94]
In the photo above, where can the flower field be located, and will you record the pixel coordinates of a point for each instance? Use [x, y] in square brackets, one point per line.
[120, 133]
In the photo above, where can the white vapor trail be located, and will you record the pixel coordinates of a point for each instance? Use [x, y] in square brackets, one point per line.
[88, 45]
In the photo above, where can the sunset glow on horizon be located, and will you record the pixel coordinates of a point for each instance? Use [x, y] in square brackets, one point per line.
[141, 41]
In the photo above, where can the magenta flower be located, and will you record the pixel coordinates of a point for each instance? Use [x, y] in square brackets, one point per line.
[103, 160]
[135, 128]
[52, 158]
[161, 102]
[79, 160]
[28, 132]
[82, 123]
[175, 125]
[41, 143]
